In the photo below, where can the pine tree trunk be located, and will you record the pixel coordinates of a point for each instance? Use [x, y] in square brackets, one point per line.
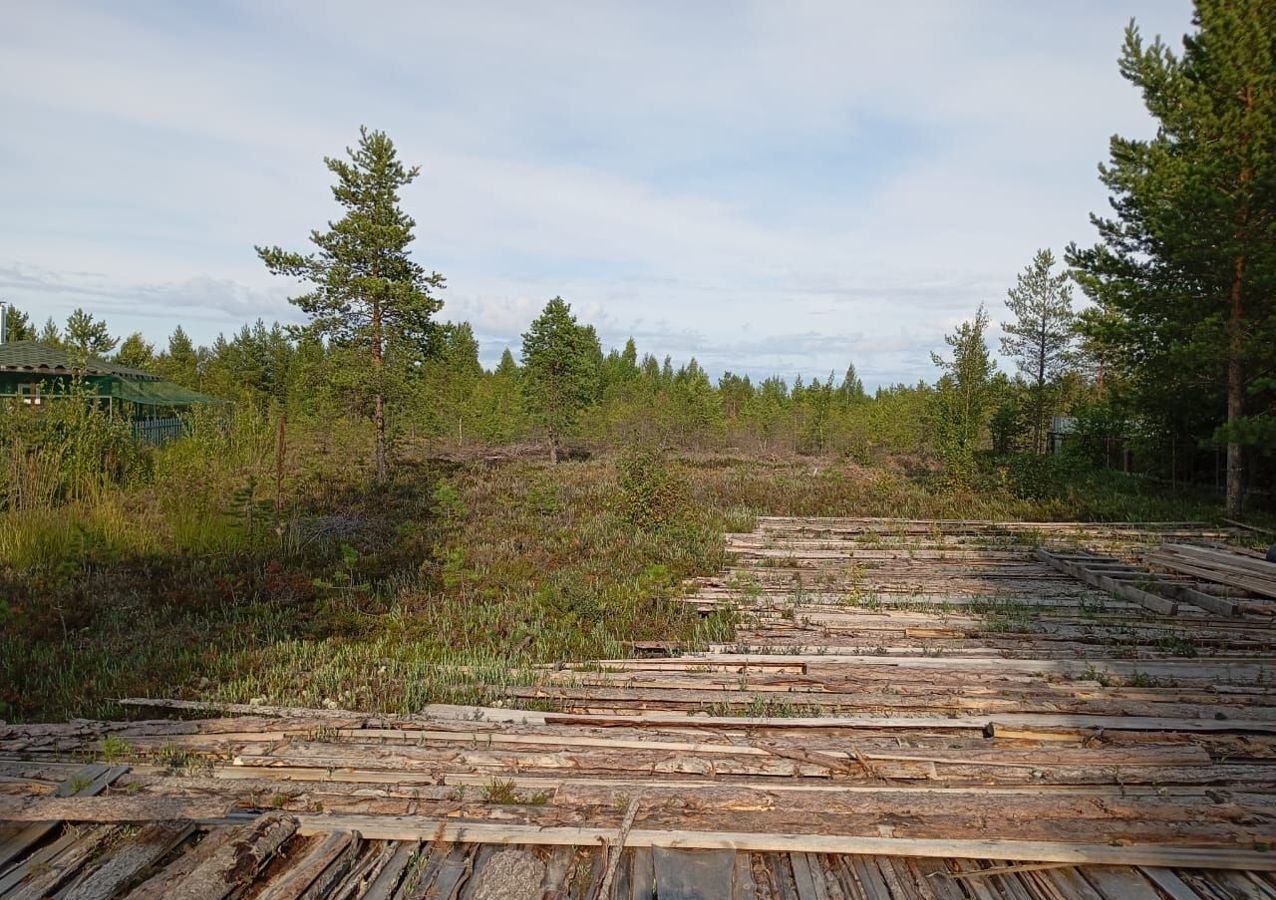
[1236, 340]
[378, 415]
[1235, 393]
[383, 468]
[1039, 447]
[553, 447]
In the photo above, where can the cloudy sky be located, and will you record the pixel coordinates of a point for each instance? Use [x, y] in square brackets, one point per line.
[772, 187]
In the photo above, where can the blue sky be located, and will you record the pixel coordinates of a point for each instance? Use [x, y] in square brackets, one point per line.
[773, 187]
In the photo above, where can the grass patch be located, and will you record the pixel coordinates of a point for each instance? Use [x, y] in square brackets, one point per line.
[440, 587]
[507, 793]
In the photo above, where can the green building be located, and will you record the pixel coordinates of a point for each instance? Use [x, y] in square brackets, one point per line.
[36, 375]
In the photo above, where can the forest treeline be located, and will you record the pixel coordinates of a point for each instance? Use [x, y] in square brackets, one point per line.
[1170, 369]
[970, 418]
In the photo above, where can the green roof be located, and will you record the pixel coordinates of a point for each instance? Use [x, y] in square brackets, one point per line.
[29, 356]
[106, 378]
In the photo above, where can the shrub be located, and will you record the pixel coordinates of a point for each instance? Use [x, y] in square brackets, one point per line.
[1030, 476]
[651, 495]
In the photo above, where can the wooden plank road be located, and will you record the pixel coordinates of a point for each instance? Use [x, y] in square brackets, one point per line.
[911, 709]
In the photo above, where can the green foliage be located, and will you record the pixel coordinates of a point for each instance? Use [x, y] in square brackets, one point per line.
[50, 334]
[560, 370]
[416, 604]
[851, 390]
[17, 325]
[964, 396]
[115, 749]
[1040, 338]
[1101, 430]
[1031, 476]
[87, 335]
[69, 449]
[1184, 273]
[501, 791]
[444, 396]
[448, 503]
[366, 290]
[180, 363]
[136, 353]
[651, 496]
[1007, 424]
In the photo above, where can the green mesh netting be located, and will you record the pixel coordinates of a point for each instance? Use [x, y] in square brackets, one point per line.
[150, 393]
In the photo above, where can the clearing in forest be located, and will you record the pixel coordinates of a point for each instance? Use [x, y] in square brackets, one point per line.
[909, 709]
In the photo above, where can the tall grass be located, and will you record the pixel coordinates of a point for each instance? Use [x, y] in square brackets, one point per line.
[196, 583]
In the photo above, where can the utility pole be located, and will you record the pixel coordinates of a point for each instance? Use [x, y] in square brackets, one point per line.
[4, 321]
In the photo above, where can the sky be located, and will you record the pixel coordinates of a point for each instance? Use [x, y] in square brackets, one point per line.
[771, 187]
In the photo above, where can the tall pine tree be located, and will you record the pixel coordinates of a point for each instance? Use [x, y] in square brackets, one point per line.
[1186, 265]
[560, 370]
[87, 335]
[366, 290]
[135, 352]
[17, 325]
[1040, 338]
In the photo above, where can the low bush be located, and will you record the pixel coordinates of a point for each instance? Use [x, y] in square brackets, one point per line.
[651, 494]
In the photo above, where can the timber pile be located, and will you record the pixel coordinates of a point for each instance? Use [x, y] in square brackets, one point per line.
[910, 710]
[1179, 579]
[1249, 573]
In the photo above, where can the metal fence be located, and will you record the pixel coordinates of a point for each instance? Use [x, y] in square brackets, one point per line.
[159, 431]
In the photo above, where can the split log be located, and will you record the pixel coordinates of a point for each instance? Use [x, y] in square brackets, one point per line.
[225, 862]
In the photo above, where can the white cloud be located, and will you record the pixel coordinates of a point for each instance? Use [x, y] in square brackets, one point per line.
[647, 162]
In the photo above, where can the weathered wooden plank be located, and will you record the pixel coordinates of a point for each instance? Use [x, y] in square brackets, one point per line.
[1226, 559]
[870, 877]
[1169, 883]
[804, 876]
[131, 808]
[317, 872]
[743, 886]
[127, 861]
[87, 781]
[387, 881]
[1191, 567]
[1111, 585]
[616, 848]
[975, 886]
[693, 874]
[418, 828]
[1120, 881]
[41, 879]
[227, 860]
[365, 870]
[934, 723]
[1072, 884]
[454, 870]
[936, 877]
[642, 874]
